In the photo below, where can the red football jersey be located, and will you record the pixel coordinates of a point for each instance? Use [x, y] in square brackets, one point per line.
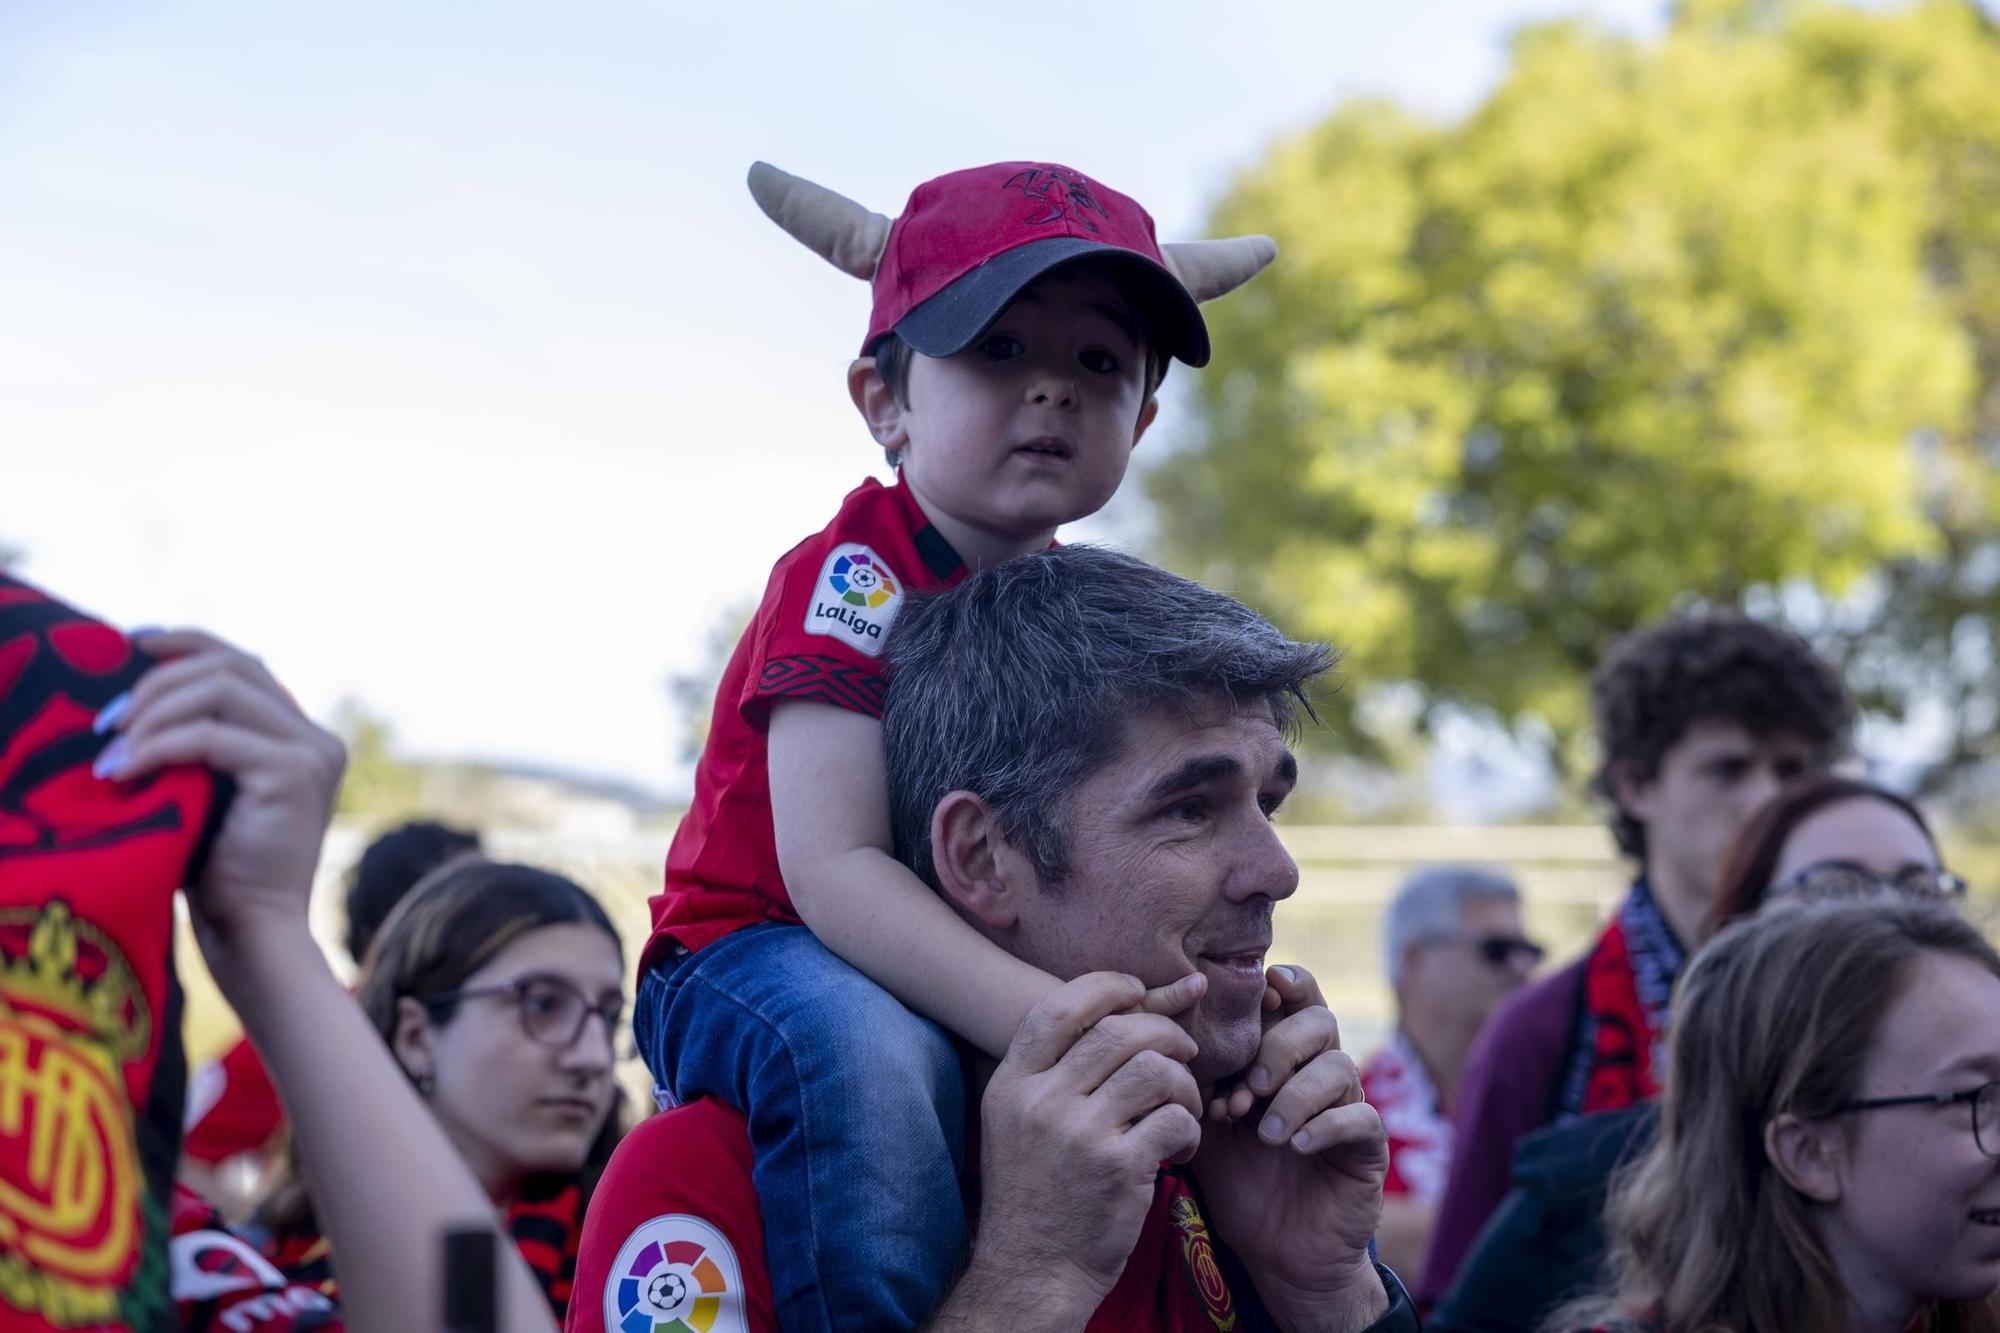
[92, 1075]
[674, 1239]
[817, 635]
[233, 1107]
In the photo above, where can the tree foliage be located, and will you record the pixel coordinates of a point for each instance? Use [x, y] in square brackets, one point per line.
[1710, 318]
[379, 784]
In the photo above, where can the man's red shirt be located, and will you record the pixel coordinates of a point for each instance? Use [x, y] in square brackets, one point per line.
[817, 636]
[674, 1233]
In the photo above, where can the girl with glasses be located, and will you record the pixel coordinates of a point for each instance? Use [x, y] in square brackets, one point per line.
[1826, 1150]
[498, 989]
[1828, 834]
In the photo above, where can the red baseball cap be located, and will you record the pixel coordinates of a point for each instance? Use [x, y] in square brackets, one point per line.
[968, 242]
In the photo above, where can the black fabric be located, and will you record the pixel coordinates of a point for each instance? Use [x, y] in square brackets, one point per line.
[1545, 1244]
[947, 323]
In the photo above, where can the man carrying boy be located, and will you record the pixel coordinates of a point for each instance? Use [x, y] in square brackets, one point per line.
[1701, 719]
[1023, 318]
[1084, 755]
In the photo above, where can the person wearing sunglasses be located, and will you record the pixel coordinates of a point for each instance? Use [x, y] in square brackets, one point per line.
[1829, 1147]
[1829, 834]
[498, 989]
[1454, 948]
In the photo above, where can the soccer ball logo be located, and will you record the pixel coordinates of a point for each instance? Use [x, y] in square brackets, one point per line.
[859, 581]
[665, 1283]
[667, 1291]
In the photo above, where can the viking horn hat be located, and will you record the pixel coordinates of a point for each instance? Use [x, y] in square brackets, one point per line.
[973, 239]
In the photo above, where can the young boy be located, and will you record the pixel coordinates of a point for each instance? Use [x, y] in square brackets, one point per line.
[1023, 318]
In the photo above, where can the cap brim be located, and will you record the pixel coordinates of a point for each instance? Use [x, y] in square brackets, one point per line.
[950, 321]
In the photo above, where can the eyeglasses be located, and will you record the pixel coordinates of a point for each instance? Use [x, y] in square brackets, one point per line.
[1499, 950]
[1853, 877]
[552, 1011]
[1984, 1099]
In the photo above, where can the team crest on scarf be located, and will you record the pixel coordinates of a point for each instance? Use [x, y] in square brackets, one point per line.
[71, 1016]
[1203, 1271]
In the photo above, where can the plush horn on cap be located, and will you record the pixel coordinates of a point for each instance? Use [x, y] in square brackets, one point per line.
[1210, 268]
[832, 226]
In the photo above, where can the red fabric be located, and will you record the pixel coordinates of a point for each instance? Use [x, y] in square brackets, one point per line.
[1398, 1087]
[1508, 1089]
[689, 1169]
[818, 636]
[957, 222]
[222, 1284]
[91, 1067]
[1623, 1035]
[233, 1106]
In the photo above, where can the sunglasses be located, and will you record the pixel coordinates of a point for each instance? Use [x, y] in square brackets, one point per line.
[1500, 950]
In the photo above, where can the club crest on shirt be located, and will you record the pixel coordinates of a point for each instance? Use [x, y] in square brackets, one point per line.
[675, 1274]
[1203, 1271]
[856, 598]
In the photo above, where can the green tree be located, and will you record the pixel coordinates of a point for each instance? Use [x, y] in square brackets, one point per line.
[1713, 318]
[378, 785]
[693, 691]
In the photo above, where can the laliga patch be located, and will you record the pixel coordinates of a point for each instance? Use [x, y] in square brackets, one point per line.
[856, 598]
[675, 1274]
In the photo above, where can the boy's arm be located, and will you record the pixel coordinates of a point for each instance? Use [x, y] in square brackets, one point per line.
[830, 813]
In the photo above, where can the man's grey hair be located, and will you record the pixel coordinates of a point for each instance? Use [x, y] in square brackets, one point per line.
[1430, 904]
[1016, 686]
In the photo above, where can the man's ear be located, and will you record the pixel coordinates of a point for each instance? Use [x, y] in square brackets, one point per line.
[1146, 415]
[976, 867]
[878, 407]
[1807, 1153]
[411, 1043]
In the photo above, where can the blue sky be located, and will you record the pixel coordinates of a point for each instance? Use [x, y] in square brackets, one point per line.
[436, 352]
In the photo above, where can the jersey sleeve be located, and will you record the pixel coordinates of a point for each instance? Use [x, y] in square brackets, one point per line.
[673, 1232]
[821, 630]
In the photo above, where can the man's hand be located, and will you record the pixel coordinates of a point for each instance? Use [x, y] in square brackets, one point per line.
[1295, 1187]
[1075, 1123]
[209, 703]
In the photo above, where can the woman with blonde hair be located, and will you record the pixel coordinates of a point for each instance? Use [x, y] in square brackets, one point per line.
[1829, 1147]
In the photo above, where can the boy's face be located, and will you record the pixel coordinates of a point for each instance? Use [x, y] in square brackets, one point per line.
[1032, 426]
[1710, 782]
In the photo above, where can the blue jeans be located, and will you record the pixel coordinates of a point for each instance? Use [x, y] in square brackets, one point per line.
[857, 1116]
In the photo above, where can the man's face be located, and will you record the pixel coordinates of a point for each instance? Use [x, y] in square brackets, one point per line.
[1460, 980]
[1174, 867]
[1032, 426]
[1710, 782]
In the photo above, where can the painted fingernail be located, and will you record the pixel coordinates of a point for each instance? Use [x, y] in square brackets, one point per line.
[1273, 1129]
[1301, 1141]
[112, 761]
[113, 713]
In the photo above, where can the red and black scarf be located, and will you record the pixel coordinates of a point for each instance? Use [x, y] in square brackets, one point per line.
[1616, 1054]
[545, 1224]
[91, 1066]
